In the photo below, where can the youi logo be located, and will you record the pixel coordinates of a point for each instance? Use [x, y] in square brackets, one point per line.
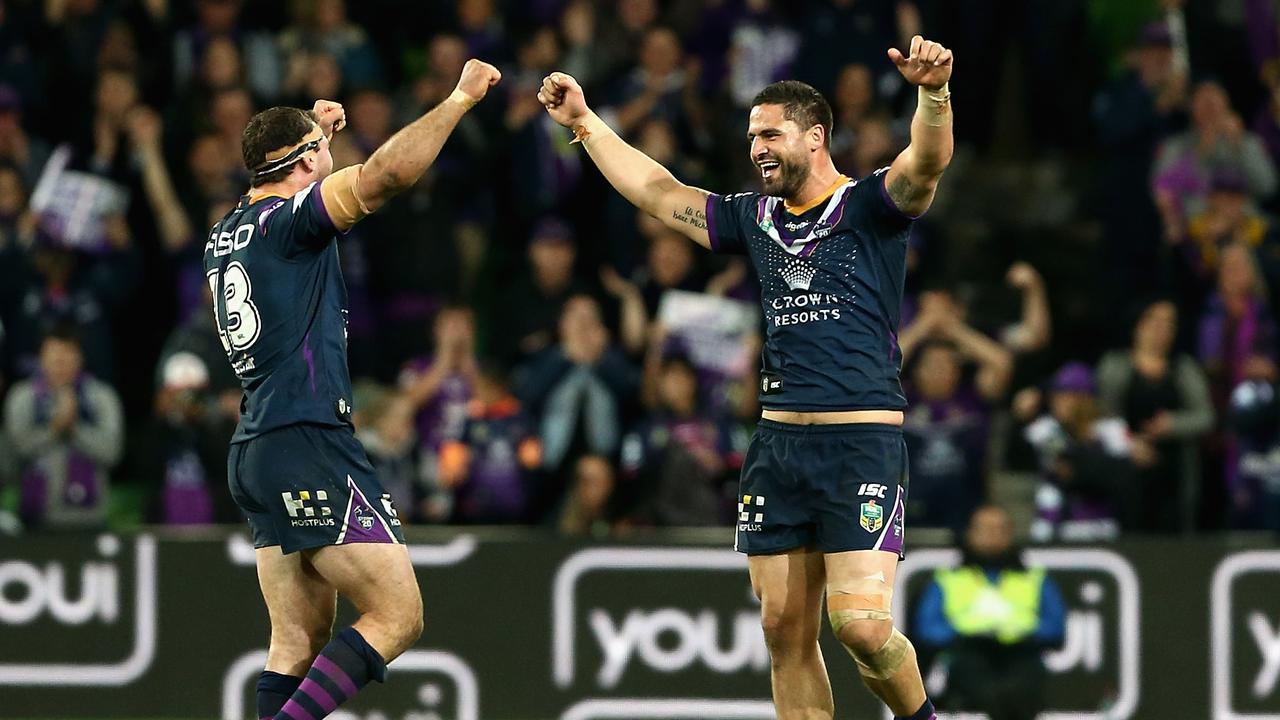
[108, 595]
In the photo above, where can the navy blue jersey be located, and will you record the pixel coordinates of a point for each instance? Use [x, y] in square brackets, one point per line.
[281, 308]
[831, 280]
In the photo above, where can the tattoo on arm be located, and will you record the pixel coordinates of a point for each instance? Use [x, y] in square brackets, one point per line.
[691, 216]
[902, 191]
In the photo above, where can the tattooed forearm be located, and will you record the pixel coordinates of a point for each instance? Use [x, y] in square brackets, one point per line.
[691, 216]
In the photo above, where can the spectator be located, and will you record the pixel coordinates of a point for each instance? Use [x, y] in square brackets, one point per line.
[578, 388]
[529, 309]
[659, 88]
[1164, 397]
[490, 467]
[26, 152]
[1132, 114]
[220, 19]
[384, 420]
[991, 618]
[949, 411]
[322, 27]
[1034, 327]
[1254, 424]
[438, 389]
[1087, 460]
[1217, 141]
[197, 406]
[1237, 331]
[1229, 216]
[585, 511]
[68, 430]
[762, 50]
[680, 464]
[853, 104]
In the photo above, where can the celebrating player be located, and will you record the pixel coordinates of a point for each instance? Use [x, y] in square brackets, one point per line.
[824, 483]
[321, 523]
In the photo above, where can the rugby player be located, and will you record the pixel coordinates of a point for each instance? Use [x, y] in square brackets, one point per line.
[320, 520]
[824, 482]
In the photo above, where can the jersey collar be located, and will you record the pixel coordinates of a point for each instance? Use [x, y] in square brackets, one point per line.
[802, 209]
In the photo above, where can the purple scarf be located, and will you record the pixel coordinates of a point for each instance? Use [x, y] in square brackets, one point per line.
[81, 488]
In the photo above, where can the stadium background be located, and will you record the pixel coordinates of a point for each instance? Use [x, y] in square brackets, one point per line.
[1111, 155]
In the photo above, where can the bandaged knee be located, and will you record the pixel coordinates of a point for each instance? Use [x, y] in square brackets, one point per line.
[865, 598]
[885, 662]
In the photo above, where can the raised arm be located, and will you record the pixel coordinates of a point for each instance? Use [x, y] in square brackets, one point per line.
[400, 161]
[640, 179]
[913, 176]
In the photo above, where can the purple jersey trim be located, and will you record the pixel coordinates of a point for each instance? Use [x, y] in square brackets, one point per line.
[712, 199]
[884, 193]
[322, 213]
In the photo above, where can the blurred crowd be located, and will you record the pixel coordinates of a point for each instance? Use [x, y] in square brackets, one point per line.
[1088, 340]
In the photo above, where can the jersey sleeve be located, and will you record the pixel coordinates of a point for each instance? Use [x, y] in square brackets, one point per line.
[298, 225]
[879, 210]
[729, 219]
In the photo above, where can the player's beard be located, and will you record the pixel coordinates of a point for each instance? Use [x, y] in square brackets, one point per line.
[790, 177]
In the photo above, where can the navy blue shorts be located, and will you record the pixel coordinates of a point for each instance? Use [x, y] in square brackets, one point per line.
[833, 488]
[307, 486]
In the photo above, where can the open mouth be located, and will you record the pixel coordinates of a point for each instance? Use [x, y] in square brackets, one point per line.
[769, 169]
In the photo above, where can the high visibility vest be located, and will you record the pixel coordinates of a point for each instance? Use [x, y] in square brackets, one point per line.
[1008, 610]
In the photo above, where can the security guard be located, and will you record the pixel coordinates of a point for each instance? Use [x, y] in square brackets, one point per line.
[990, 619]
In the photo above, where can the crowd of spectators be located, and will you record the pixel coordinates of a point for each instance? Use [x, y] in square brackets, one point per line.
[1088, 306]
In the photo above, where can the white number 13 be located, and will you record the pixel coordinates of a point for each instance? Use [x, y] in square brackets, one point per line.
[243, 321]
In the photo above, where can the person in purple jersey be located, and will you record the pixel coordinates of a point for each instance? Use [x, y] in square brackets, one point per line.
[823, 483]
[322, 523]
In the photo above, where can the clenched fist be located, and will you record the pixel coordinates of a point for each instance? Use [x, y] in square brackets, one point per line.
[330, 116]
[477, 77]
[562, 96]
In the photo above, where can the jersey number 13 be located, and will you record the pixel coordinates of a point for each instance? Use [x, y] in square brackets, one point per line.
[243, 321]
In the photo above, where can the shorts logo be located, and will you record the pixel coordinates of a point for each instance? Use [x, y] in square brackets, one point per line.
[299, 504]
[746, 516]
[364, 517]
[392, 516]
[302, 508]
[872, 516]
[872, 489]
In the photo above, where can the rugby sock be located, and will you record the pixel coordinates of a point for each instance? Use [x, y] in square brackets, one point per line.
[345, 665]
[274, 690]
[926, 712]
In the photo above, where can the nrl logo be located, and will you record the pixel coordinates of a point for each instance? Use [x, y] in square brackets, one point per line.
[766, 224]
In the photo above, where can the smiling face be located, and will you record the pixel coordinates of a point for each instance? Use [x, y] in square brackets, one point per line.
[781, 150]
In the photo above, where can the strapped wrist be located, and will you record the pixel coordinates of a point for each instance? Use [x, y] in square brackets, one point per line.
[466, 101]
[936, 103]
[590, 126]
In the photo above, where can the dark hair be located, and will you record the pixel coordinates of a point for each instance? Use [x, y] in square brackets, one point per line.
[272, 129]
[62, 330]
[800, 103]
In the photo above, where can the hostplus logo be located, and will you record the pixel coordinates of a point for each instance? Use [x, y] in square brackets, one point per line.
[751, 513]
[302, 509]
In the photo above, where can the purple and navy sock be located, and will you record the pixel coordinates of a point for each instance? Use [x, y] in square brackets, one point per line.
[274, 690]
[345, 665]
[926, 712]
